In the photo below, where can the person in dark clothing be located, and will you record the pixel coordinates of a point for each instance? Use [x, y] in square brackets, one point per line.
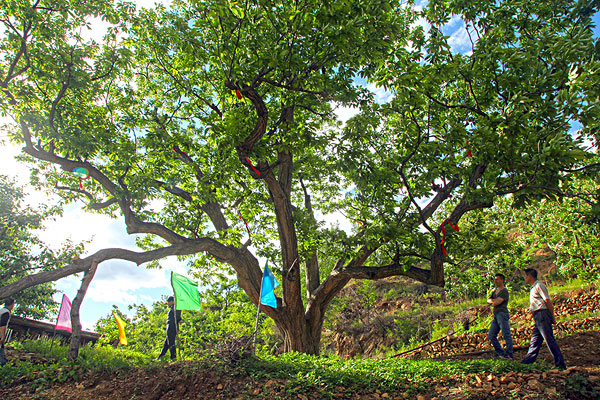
[542, 309]
[501, 321]
[9, 304]
[172, 330]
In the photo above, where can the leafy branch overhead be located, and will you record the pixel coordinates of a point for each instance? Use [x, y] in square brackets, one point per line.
[210, 128]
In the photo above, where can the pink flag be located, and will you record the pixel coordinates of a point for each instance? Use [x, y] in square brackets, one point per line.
[63, 322]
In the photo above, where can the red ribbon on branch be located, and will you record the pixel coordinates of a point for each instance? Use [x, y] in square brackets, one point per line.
[176, 149]
[455, 227]
[238, 94]
[252, 166]
[245, 223]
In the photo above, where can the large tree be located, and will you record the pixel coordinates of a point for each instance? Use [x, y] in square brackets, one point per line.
[209, 127]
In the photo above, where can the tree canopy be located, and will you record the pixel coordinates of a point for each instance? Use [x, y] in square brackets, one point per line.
[210, 127]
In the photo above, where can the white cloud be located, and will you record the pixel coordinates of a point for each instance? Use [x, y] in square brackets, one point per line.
[345, 113]
[117, 282]
[459, 40]
[382, 96]
[421, 21]
[151, 3]
[337, 219]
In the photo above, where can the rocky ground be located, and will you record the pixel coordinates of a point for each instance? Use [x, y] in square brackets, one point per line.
[577, 306]
[181, 381]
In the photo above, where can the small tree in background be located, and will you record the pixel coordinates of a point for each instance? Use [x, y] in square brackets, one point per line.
[22, 253]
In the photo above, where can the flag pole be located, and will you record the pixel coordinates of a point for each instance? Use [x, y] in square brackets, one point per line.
[52, 342]
[257, 314]
[177, 340]
[57, 318]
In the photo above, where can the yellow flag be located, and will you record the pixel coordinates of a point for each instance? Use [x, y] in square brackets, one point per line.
[122, 338]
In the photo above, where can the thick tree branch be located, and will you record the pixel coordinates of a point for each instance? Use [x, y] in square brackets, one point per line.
[11, 74]
[182, 249]
[134, 224]
[313, 279]
[384, 271]
[59, 97]
[102, 205]
[260, 127]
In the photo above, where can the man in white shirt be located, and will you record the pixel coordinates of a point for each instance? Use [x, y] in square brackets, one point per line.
[9, 304]
[542, 309]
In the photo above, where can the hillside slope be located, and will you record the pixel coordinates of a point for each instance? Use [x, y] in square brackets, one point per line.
[578, 339]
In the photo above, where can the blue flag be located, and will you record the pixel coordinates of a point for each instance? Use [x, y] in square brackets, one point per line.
[269, 283]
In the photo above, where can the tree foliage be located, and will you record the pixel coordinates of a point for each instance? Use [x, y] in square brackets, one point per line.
[23, 253]
[227, 313]
[209, 127]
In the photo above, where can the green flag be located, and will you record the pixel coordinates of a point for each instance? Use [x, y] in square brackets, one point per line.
[186, 292]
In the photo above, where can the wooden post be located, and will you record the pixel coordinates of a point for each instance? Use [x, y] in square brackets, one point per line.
[53, 336]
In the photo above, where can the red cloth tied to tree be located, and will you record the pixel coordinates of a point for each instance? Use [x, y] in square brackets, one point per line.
[455, 227]
[245, 223]
[252, 166]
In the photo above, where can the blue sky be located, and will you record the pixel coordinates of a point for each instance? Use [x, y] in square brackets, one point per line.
[123, 283]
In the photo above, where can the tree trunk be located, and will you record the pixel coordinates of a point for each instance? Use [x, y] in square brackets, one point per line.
[299, 335]
[75, 323]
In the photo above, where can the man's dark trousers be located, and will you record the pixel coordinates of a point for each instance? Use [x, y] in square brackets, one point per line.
[2, 356]
[543, 331]
[169, 343]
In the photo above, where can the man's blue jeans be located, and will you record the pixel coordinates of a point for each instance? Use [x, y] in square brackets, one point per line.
[501, 322]
[2, 356]
[543, 331]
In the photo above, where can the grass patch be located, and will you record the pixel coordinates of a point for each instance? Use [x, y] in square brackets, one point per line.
[58, 369]
[456, 308]
[303, 372]
[583, 315]
[328, 374]
[12, 373]
[97, 358]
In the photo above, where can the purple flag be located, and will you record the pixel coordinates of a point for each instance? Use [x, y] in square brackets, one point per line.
[63, 322]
